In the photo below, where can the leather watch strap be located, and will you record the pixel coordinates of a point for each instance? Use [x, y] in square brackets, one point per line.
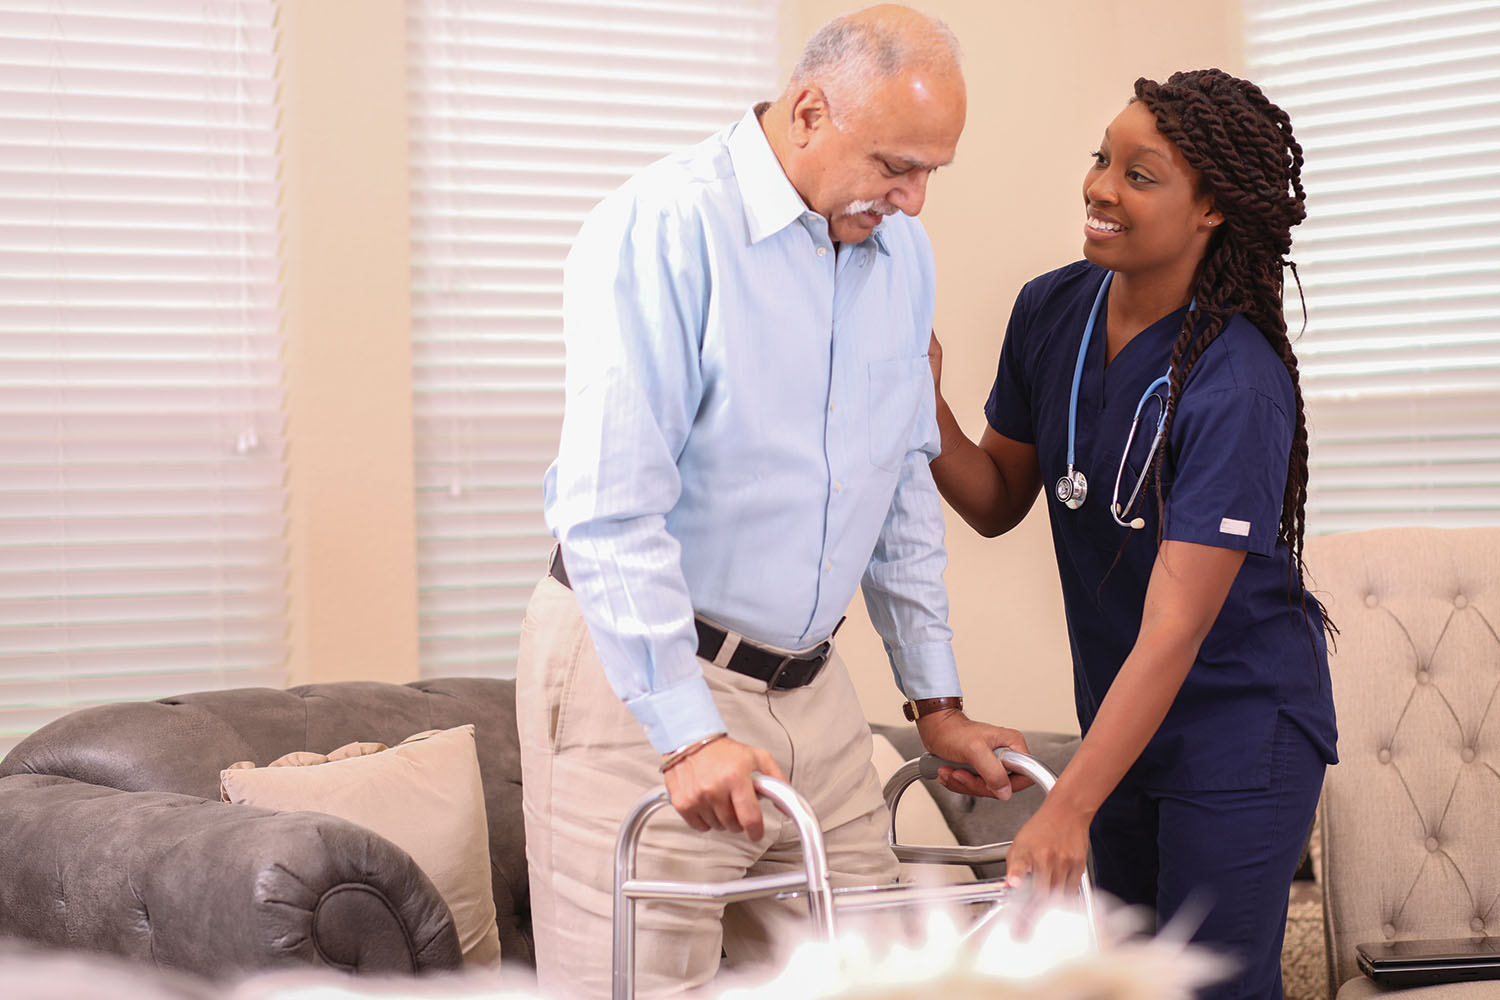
[914, 710]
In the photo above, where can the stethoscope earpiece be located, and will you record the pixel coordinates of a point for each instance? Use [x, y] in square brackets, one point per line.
[1137, 523]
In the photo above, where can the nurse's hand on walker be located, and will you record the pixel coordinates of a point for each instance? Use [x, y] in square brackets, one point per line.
[711, 788]
[952, 735]
[1052, 847]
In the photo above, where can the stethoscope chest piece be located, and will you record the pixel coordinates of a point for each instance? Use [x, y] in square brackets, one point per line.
[1072, 490]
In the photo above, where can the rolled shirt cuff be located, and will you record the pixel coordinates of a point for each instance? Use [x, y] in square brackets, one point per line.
[677, 715]
[927, 670]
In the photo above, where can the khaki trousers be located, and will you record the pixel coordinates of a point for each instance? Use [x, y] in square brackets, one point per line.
[585, 762]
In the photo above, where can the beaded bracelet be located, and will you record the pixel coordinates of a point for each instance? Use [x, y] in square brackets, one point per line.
[682, 753]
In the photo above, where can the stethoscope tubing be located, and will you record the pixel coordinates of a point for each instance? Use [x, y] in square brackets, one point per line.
[1072, 489]
[1083, 353]
[1115, 509]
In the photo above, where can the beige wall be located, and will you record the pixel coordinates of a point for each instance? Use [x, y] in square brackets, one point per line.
[348, 340]
[1044, 80]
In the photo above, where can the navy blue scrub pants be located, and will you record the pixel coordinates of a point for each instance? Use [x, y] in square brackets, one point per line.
[1232, 853]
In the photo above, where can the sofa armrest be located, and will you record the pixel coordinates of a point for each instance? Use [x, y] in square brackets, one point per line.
[210, 888]
[987, 821]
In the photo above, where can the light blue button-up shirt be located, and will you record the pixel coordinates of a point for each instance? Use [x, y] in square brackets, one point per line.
[748, 424]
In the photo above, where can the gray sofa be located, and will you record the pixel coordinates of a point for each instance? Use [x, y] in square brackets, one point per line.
[112, 838]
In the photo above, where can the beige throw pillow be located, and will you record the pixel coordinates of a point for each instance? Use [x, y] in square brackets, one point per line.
[423, 795]
[919, 822]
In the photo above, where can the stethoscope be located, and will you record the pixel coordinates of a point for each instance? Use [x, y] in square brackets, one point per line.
[1073, 488]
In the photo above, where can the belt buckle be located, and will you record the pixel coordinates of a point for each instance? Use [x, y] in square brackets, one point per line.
[822, 661]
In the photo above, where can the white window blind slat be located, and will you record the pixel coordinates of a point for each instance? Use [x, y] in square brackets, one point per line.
[101, 491]
[107, 584]
[524, 114]
[142, 472]
[573, 122]
[1397, 106]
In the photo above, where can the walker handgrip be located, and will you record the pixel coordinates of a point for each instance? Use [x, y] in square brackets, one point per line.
[929, 763]
[1013, 761]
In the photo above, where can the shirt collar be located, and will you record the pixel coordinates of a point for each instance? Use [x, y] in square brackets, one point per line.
[771, 202]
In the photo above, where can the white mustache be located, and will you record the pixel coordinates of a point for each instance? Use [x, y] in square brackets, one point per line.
[883, 207]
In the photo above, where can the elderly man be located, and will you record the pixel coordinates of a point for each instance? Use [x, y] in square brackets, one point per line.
[748, 424]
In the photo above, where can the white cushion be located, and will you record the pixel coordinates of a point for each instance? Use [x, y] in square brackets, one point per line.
[423, 795]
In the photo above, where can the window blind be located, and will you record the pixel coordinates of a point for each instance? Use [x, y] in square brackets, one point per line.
[1397, 106]
[141, 502]
[524, 114]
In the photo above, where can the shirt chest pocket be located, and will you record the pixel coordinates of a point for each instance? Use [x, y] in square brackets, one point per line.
[900, 395]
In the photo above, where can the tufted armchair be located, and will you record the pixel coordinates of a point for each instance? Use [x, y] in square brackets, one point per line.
[1410, 818]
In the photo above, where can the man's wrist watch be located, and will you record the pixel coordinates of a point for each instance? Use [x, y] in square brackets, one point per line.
[914, 710]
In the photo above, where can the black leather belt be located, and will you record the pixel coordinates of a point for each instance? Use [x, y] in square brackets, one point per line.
[778, 670]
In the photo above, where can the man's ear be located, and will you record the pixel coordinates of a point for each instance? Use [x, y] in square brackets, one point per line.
[809, 114]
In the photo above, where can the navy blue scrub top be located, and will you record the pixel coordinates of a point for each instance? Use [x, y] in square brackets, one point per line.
[1223, 479]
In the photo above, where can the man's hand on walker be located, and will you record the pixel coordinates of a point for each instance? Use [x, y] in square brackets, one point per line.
[954, 736]
[712, 791]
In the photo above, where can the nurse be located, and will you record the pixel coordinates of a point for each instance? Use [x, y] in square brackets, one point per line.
[1199, 666]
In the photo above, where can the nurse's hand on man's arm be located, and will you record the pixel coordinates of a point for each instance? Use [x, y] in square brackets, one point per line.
[935, 362]
[954, 736]
[712, 789]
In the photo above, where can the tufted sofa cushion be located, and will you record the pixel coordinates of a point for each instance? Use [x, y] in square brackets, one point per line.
[181, 744]
[1411, 815]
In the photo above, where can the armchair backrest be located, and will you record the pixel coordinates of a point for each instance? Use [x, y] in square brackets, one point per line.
[1410, 817]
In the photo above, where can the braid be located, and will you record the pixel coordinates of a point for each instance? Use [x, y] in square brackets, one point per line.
[1249, 162]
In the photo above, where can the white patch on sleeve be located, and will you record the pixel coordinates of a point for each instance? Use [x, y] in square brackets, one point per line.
[1229, 526]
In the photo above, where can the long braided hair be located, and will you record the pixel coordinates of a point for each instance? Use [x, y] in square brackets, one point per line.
[1250, 164]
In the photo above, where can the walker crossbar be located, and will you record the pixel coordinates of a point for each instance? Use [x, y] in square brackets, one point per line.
[881, 897]
[813, 880]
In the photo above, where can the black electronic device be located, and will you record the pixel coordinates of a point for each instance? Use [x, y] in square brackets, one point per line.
[1426, 962]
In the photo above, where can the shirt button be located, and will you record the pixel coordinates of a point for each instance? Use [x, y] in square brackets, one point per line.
[822, 251]
[833, 407]
[838, 487]
[828, 567]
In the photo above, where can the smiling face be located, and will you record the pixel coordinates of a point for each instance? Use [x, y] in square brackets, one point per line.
[876, 160]
[1144, 212]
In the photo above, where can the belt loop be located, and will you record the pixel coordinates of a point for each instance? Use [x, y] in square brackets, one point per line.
[726, 650]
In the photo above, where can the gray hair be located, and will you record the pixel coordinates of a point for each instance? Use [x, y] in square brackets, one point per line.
[850, 56]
